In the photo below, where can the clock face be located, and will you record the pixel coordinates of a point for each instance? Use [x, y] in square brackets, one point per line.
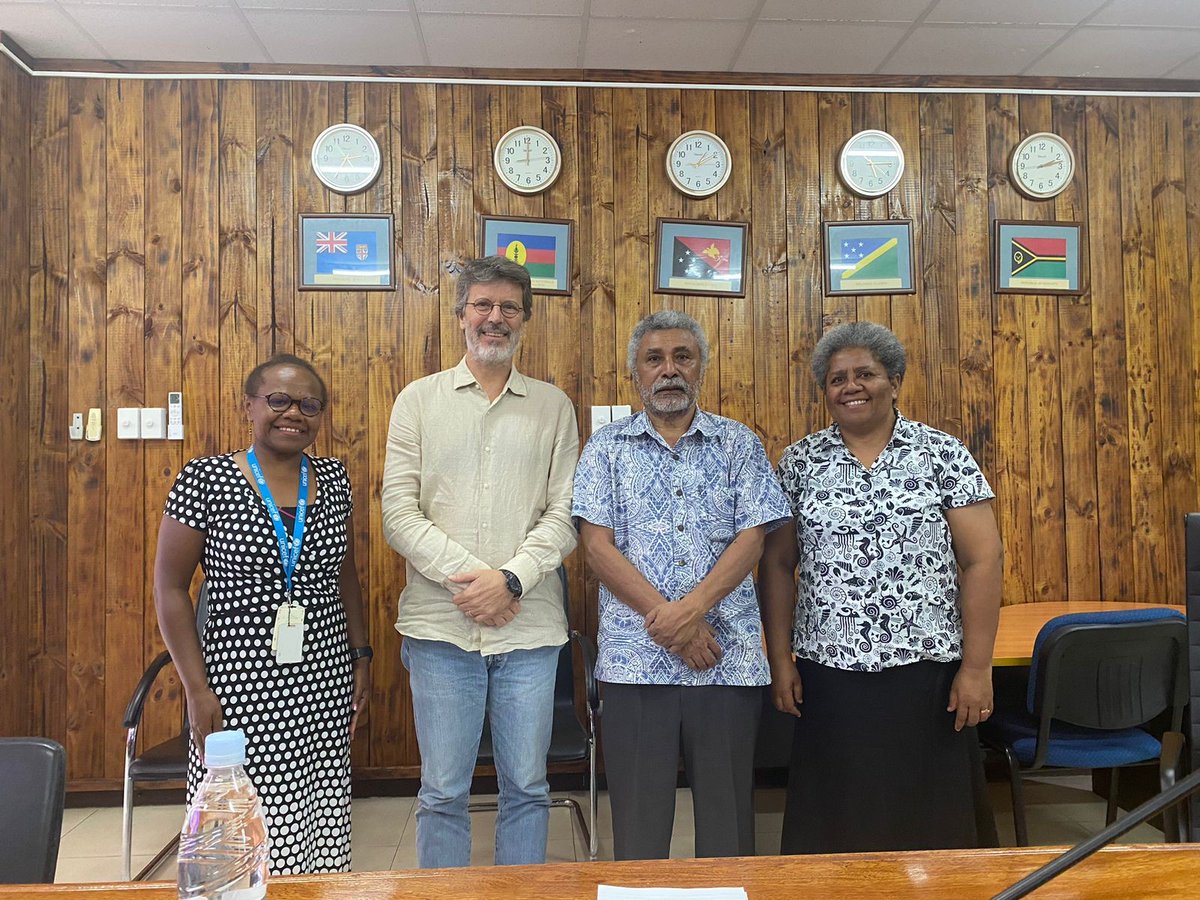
[871, 163]
[346, 158]
[1042, 165]
[527, 159]
[698, 163]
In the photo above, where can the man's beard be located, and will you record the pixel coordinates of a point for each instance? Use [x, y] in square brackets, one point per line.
[665, 406]
[487, 352]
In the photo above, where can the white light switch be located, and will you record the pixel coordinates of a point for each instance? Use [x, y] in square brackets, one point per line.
[154, 424]
[601, 416]
[129, 423]
[621, 412]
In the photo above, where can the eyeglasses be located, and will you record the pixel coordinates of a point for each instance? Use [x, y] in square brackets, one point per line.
[485, 307]
[281, 402]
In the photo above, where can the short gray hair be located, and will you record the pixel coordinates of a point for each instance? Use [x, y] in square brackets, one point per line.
[665, 320]
[486, 270]
[880, 341]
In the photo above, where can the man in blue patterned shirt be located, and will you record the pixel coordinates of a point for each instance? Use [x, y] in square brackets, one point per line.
[673, 505]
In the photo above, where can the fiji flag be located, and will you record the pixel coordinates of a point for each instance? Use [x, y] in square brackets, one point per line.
[536, 252]
[871, 259]
[348, 257]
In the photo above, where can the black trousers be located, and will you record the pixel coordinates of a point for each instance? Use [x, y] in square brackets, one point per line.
[644, 729]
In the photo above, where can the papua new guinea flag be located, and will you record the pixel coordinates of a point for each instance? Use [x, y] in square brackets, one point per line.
[696, 257]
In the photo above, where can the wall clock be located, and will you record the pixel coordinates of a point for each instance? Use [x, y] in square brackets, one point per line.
[698, 163]
[346, 158]
[527, 159]
[871, 163]
[1042, 165]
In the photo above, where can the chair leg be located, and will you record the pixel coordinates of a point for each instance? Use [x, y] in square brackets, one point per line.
[1110, 811]
[1020, 831]
[127, 807]
[594, 843]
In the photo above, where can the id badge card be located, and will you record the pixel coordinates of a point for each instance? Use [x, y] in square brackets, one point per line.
[288, 642]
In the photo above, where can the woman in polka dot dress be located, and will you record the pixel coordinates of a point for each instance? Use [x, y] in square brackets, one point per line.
[298, 716]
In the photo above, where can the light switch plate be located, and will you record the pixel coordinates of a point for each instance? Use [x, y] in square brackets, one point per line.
[154, 424]
[621, 412]
[601, 416]
[129, 425]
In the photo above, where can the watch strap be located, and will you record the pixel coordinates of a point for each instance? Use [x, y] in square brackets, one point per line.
[361, 652]
[513, 583]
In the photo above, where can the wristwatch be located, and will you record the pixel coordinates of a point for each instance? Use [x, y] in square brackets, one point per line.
[361, 652]
[513, 583]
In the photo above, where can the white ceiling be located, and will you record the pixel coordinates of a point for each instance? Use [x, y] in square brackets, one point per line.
[1086, 38]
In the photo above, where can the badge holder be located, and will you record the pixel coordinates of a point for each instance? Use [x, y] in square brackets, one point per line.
[287, 643]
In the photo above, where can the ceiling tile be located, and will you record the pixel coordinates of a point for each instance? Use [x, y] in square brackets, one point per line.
[493, 8]
[333, 38]
[1107, 52]
[674, 9]
[1013, 12]
[197, 35]
[974, 49]
[844, 10]
[133, 7]
[1189, 69]
[806, 48]
[661, 44]
[43, 30]
[502, 41]
[334, 6]
[1156, 13]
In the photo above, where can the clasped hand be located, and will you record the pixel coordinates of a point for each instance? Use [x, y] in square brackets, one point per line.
[486, 598]
[681, 628]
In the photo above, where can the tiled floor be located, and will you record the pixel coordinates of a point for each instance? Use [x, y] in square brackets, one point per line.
[1060, 811]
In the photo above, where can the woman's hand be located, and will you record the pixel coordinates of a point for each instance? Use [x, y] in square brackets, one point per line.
[971, 696]
[204, 716]
[362, 691]
[787, 693]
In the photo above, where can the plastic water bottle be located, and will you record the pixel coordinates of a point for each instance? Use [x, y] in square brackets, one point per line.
[223, 847]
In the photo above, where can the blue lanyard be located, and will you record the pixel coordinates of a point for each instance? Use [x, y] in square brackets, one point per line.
[289, 548]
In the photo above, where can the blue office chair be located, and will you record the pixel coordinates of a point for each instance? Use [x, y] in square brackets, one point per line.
[1095, 681]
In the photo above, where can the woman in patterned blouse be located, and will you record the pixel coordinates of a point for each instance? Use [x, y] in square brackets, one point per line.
[887, 593]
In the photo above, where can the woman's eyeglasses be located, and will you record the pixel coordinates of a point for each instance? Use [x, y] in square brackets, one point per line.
[508, 310]
[281, 402]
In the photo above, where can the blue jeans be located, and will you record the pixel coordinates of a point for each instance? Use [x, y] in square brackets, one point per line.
[452, 689]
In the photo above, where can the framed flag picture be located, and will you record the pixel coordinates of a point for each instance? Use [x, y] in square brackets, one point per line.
[698, 257]
[873, 257]
[1037, 257]
[346, 253]
[543, 246]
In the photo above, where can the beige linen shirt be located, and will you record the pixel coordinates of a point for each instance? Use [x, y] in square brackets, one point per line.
[469, 484]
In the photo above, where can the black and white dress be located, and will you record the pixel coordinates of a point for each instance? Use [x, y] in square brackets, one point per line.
[296, 717]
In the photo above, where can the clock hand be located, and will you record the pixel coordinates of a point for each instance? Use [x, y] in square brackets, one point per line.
[1051, 162]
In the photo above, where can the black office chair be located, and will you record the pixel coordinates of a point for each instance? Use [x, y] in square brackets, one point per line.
[1192, 558]
[33, 778]
[166, 761]
[1096, 679]
[571, 740]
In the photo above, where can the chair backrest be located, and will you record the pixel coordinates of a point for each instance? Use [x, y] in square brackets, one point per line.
[201, 621]
[564, 677]
[1110, 670]
[1191, 530]
[33, 775]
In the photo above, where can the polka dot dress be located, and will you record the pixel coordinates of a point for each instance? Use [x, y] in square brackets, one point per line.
[296, 717]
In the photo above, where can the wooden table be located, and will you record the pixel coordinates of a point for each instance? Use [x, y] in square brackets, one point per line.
[1021, 622]
[1130, 870]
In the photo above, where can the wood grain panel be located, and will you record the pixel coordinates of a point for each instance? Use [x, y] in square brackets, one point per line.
[160, 245]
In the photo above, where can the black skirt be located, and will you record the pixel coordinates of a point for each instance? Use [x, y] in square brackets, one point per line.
[877, 765]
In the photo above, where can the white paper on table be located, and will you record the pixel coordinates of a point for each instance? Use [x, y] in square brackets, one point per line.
[608, 892]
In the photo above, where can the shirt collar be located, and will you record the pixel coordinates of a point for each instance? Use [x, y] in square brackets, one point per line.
[704, 424]
[903, 435]
[464, 377]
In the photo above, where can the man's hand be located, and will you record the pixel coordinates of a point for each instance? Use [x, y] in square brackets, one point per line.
[674, 625]
[703, 652]
[485, 598]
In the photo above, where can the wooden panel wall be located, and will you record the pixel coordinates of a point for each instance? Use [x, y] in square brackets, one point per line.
[161, 255]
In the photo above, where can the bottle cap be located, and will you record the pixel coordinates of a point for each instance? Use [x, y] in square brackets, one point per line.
[225, 748]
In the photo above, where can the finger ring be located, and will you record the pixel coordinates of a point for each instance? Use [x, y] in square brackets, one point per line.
[985, 712]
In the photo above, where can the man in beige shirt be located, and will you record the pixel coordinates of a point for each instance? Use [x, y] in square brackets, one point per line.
[477, 499]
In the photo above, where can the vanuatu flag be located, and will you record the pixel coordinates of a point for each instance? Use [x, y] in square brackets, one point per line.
[536, 252]
[1039, 262]
[701, 258]
[873, 264]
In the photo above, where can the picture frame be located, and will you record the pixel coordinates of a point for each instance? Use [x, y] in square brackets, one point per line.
[542, 246]
[872, 256]
[1036, 257]
[345, 252]
[696, 256]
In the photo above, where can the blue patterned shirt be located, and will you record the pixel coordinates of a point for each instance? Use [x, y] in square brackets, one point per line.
[673, 511]
[878, 579]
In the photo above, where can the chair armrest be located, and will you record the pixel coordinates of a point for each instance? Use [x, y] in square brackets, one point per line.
[588, 653]
[1169, 770]
[133, 712]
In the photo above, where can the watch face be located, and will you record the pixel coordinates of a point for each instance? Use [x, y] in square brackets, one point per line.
[346, 158]
[698, 163]
[871, 163]
[1042, 165]
[527, 159]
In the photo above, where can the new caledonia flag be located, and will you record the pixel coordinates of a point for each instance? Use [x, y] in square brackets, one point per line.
[1039, 262]
[536, 252]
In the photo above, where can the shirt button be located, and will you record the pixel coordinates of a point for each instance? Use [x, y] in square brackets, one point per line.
[485, 524]
[678, 493]
[679, 528]
[680, 562]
